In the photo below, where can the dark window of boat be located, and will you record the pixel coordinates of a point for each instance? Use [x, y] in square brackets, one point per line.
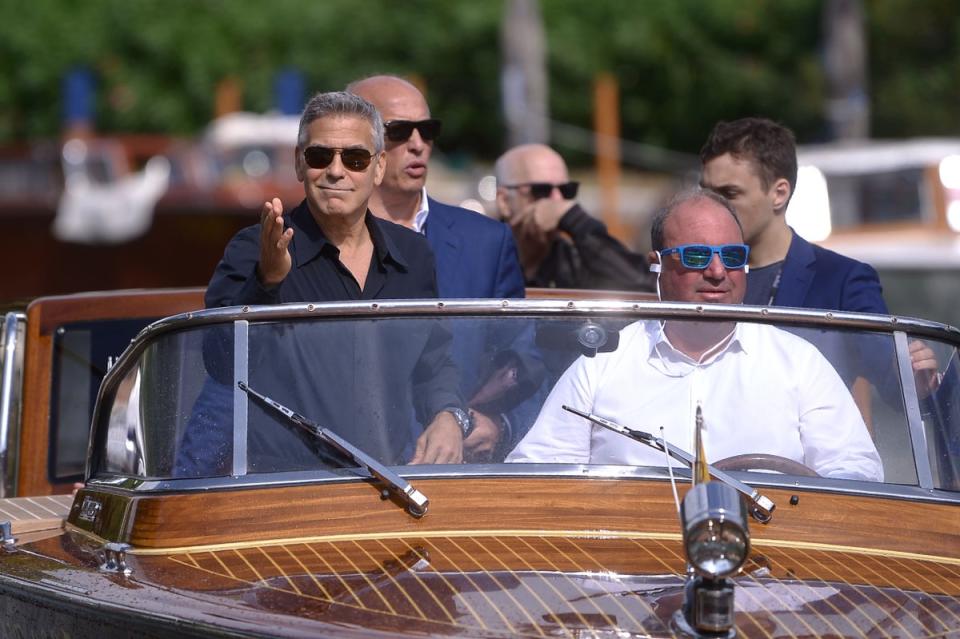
[81, 352]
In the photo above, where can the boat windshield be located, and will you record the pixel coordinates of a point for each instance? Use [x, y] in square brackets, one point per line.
[801, 398]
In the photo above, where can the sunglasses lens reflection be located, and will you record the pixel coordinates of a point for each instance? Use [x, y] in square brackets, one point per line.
[355, 159]
[401, 130]
[569, 190]
[696, 256]
[541, 190]
[320, 157]
[733, 256]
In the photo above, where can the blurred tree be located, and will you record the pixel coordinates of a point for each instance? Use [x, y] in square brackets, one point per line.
[685, 64]
[914, 67]
[681, 65]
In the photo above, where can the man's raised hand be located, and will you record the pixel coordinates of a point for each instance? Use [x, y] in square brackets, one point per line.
[275, 260]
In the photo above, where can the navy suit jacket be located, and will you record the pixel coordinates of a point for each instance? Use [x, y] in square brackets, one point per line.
[477, 258]
[814, 277]
[476, 255]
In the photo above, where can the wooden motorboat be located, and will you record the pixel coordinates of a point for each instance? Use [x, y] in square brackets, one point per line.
[191, 524]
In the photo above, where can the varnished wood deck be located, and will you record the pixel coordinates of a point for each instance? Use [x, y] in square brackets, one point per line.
[32, 514]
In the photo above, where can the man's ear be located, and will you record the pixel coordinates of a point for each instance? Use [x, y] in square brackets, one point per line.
[298, 164]
[503, 204]
[653, 259]
[781, 194]
[379, 168]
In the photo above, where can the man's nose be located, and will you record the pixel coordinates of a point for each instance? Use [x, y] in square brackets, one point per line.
[336, 169]
[716, 270]
[555, 193]
[416, 143]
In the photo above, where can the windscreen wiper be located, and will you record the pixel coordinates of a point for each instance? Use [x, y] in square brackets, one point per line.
[416, 501]
[760, 507]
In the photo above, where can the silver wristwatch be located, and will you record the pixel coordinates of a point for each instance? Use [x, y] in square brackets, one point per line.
[464, 419]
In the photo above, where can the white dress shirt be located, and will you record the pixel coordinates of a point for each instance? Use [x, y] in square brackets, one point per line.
[420, 217]
[763, 391]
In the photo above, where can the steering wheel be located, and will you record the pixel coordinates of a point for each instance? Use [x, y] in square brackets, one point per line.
[762, 461]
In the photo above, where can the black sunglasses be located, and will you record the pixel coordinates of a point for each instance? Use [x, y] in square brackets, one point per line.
[320, 157]
[540, 190]
[401, 130]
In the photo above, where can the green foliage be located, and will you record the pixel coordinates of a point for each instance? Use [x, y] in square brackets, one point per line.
[681, 64]
[914, 67]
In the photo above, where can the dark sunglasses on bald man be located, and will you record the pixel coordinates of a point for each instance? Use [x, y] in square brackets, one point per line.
[401, 130]
[541, 190]
[320, 157]
[699, 256]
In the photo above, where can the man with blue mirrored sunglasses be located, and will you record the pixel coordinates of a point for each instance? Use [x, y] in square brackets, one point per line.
[756, 384]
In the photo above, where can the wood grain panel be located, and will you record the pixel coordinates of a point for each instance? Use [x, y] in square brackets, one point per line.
[587, 507]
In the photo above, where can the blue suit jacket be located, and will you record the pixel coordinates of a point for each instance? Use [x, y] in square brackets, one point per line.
[814, 277]
[476, 256]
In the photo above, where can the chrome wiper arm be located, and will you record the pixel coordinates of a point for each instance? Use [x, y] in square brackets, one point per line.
[760, 507]
[416, 501]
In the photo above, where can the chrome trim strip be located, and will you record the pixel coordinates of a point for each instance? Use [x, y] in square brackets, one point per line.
[12, 373]
[533, 471]
[918, 436]
[241, 331]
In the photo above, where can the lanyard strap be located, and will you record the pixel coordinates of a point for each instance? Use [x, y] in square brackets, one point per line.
[775, 286]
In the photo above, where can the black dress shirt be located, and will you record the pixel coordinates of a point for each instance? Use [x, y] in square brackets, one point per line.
[369, 381]
[401, 267]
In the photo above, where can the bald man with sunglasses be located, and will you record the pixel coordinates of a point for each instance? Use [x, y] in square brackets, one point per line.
[476, 256]
[561, 246]
[331, 248]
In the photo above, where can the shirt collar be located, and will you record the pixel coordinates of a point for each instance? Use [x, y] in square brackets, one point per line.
[309, 240]
[383, 244]
[666, 358]
[420, 217]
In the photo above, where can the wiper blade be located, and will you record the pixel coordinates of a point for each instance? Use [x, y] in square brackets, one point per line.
[760, 507]
[416, 501]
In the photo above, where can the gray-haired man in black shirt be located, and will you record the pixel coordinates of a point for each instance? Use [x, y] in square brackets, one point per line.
[331, 248]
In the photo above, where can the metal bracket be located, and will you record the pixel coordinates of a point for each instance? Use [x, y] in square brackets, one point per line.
[115, 559]
[7, 541]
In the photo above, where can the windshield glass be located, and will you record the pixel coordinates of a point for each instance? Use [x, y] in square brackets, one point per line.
[811, 400]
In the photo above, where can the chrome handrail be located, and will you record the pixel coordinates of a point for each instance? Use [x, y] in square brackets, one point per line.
[521, 307]
[11, 380]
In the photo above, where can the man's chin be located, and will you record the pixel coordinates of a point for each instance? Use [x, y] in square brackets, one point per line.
[410, 185]
[716, 297]
[336, 208]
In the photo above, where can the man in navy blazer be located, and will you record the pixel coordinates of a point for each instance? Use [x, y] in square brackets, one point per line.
[815, 277]
[753, 163]
[476, 256]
